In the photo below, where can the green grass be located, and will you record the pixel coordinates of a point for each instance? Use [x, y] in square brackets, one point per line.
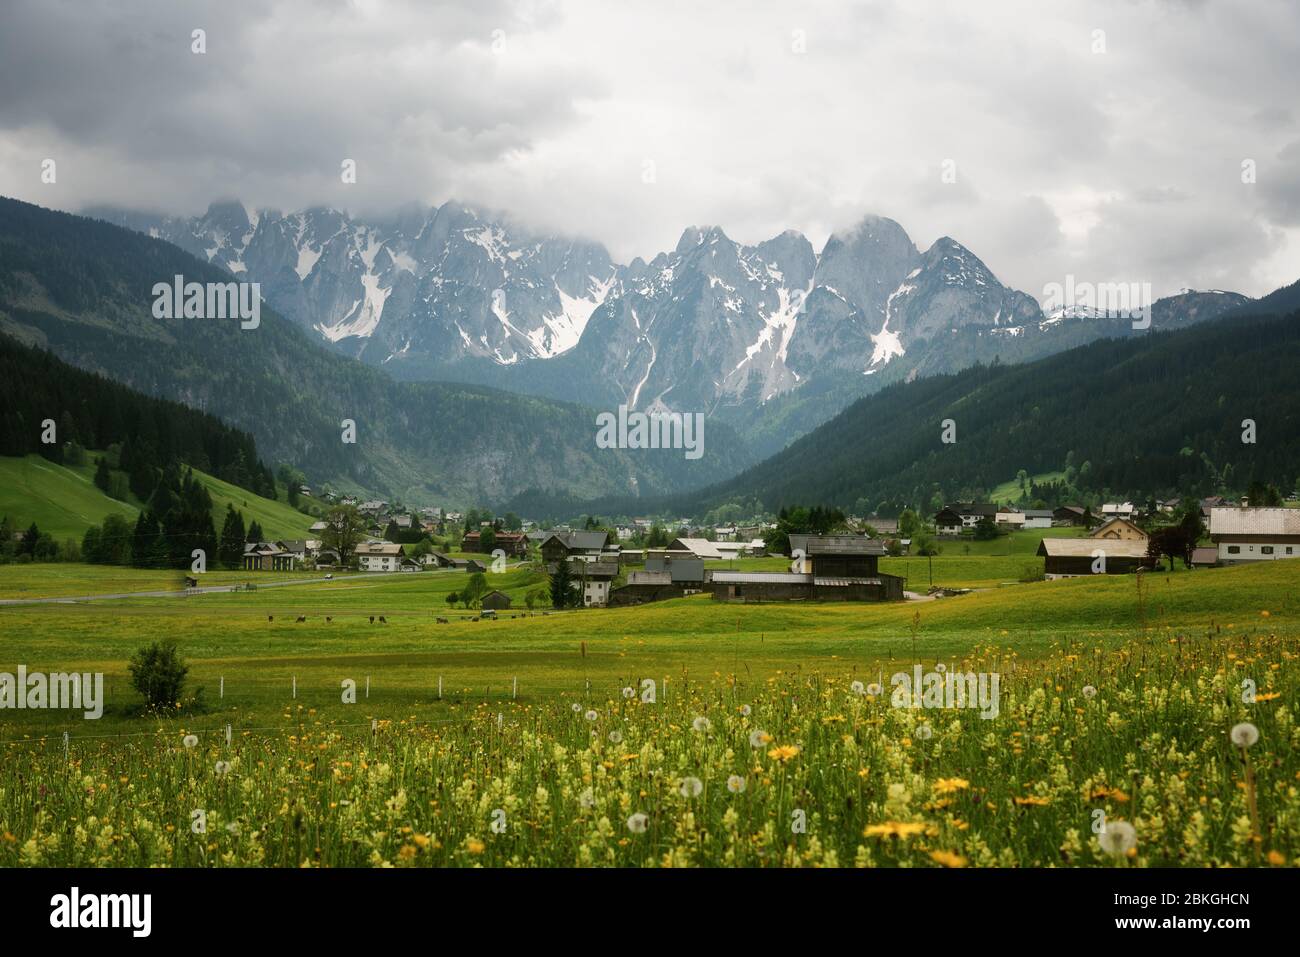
[230, 635]
[408, 777]
[61, 501]
[64, 501]
[1008, 493]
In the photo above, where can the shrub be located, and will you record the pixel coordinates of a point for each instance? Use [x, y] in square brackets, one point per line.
[158, 673]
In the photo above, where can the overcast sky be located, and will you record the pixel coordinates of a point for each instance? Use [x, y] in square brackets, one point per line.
[1112, 156]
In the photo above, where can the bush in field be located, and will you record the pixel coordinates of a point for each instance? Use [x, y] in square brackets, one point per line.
[158, 673]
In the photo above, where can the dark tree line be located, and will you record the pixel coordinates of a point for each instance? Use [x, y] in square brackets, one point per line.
[92, 412]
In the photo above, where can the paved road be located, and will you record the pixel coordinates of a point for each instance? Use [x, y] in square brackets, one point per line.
[210, 589]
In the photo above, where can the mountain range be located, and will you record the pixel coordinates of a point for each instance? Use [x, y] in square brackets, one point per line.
[772, 338]
[82, 289]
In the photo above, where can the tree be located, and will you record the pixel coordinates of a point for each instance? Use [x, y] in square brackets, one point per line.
[148, 548]
[986, 529]
[103, 478]
[255, 533]
[344, 527]
[30, 538]
[561, 586]
[452, 598]
[158, 673]
[231, 549]
[531, 598]
[487, 541]
[475, 589]
[925, 544]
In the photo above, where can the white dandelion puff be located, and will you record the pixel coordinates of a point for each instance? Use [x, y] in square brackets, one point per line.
[736, 784]
[691, 787]
[1089, 692]
[1117, 838]
[615, 737]
[873, 689]
[591, 716]
[758, 738]
[746, 711]
[858, 687]
[1244, 735]
[629, 692]
[222, 768]
[637, 823]
[190, 740]
[924, 731]
[701, 724]
[576, 707]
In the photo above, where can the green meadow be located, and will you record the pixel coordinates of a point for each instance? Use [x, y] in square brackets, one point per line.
[252, 643]
[64, 501]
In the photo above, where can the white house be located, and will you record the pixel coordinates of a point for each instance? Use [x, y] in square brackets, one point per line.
[1038, 518]
[1255, 534]
[1117, 510]
[380, 556]
[1013, 519]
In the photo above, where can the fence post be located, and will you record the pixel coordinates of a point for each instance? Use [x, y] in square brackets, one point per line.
[367, 686]
[295, 687]
[227, 735]
[65, 745]
[222, 692]
[439, 687]
[514, 693]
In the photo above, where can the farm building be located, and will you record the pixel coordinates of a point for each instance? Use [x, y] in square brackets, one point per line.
[1069, 515]
[1038, 517]
[644, 586]
[948, 522]
[833, 568]
[498, 600]
[1069, 557]
[1255, 534]
[699, 547]
[514, 544]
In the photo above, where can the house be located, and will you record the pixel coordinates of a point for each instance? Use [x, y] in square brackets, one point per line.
[1069, 515]
[326, 557]
[410, 565]
[1255, 534]
[268, 557]
[972, 512]
[948, 521]
[318, 528]
[593, 579]
[1071, 557]
[1038, 517]
[1118, 529]
[514, 544]
[301, 549]
[473, 565]
[833, 568]
[558, 546]
[724, 533]
[498, 600]
[1009, 517]
[435, 560]
[380, 556]
[699, 547]
[1117, 510]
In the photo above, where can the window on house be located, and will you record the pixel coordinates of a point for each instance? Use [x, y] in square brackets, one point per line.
[1234, 549]
[1266, 549]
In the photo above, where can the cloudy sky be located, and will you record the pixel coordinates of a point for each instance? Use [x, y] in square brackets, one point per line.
[1104, 140]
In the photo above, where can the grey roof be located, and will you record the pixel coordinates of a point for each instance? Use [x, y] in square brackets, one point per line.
[759, 578]
[649, 578]
[841, 582]
[1254, 521]
[1037, 512]
[594, 569]
[814, 545]
[972, 508]
[581, 540]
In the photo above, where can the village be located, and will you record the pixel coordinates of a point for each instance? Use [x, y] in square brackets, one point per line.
[646, 560]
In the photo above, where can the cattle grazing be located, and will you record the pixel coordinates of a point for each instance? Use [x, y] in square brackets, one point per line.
[442, 621]
[328, 618]
[372, 619]
[270, 617]
[302, 618]
[383, 620]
